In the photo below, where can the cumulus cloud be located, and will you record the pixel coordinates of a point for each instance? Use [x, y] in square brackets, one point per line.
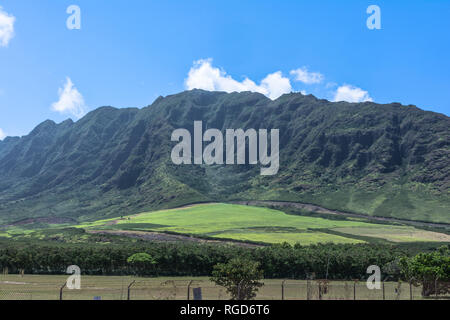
[70, 101]
[276, 85]
[2, 134]
[303, 75]
[351, 94]
[6, 27]
[204, 76]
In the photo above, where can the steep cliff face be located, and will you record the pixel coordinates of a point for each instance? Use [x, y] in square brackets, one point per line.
[388, 160]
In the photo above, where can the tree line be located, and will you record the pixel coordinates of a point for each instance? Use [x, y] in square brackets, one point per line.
[331, 261]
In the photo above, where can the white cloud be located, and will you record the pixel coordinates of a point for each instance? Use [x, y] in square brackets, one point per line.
[70, 101]
[6, 27]
[351, 94]
[276, 85]
[204, 76]
[2, 134]
[303, 75]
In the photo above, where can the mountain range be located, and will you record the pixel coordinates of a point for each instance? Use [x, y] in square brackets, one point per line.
[386, 160]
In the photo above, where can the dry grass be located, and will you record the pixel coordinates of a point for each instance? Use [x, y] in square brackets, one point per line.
[44, 287]
[397, 234]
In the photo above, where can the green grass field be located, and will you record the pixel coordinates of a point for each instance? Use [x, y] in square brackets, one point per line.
[258, 224]
[47, 287]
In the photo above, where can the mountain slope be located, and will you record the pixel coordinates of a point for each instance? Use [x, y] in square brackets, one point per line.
[387, 160]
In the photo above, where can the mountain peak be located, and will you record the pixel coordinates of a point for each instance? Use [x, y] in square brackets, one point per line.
[368, 158]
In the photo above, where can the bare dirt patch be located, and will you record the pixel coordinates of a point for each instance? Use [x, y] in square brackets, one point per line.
[400, 234]
[164, 237]
[47, 220]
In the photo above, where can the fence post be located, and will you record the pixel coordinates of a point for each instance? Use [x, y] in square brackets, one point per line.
[436, 288]
[61, 291]
[282, 289]
[189, 290]
[384, 295]
[239, 290]
[307, 289]
[320, 291]
[410, 290]
[354, 290]
[129, 289]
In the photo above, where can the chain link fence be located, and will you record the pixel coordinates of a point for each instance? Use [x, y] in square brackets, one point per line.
[32, 287]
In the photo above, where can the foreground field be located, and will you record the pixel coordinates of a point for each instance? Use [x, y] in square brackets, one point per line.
[258, 224]
[41, 287]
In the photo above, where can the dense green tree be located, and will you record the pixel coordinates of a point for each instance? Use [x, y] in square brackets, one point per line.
[431, 270]
[143, 262]
[241, 278]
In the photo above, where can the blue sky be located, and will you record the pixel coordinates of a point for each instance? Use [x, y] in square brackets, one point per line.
[127, 53]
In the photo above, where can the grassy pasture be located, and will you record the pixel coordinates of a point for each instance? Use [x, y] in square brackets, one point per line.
[238, 222]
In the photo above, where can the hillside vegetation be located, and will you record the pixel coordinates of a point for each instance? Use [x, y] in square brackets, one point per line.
[385, 160]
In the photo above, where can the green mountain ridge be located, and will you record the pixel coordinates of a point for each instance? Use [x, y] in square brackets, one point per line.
[376, 159]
